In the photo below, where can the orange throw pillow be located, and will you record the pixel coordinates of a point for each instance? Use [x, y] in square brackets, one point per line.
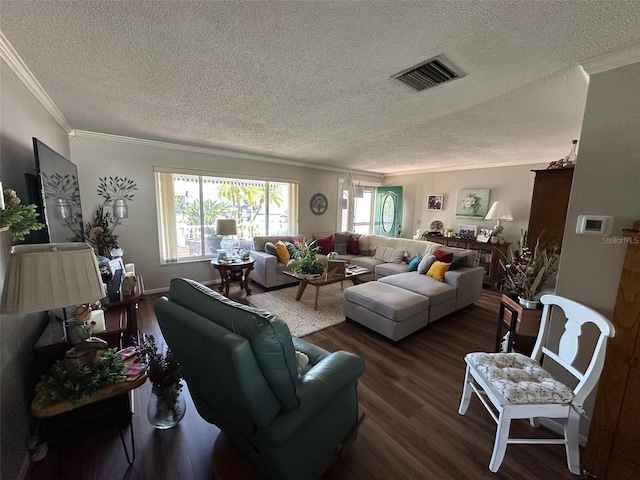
[282, 252]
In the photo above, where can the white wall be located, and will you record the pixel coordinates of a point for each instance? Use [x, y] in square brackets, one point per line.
[606, 181]
[508, 184]
[98, 156]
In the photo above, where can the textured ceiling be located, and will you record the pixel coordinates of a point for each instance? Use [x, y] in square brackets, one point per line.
[309, 81]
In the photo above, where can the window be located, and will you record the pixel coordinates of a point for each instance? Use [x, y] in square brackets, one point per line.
[356, 215]
[363, 211]
[189, 205]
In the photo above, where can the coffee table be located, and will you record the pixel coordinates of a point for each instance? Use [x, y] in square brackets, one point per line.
[353, 275]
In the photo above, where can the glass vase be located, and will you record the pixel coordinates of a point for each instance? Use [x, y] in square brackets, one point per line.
[166, 407]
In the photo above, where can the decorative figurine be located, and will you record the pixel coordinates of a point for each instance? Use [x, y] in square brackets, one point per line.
[85, 347]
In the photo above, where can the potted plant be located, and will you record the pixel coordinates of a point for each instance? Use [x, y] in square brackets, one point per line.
[306, 264]
[19, 219]
[79, 383]
[528, 273]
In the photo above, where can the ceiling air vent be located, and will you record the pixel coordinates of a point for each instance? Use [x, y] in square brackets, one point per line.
[429, 74]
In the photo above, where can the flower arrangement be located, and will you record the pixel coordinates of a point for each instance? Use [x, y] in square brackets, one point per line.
[305, 261]
[528, 273]
[163, 369]
[166, 405]
[21, 219]
[99, 232]
[471, 200]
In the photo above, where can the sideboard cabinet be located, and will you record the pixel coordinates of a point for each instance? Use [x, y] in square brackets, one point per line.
[489, 254]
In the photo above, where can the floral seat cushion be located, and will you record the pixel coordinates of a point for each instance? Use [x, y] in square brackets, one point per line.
[520, 379]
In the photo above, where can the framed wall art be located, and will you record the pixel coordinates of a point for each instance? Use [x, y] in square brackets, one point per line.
[473, 202]
[434, 202]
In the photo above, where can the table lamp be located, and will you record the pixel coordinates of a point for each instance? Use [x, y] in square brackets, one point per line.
[499, 211]
[227, 228]
[50, 275]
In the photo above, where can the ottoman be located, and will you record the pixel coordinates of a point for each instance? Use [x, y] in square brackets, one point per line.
[389, 310]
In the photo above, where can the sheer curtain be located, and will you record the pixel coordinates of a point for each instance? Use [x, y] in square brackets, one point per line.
[167, 217]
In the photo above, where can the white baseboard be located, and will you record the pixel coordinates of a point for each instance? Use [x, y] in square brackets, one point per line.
[166, 289]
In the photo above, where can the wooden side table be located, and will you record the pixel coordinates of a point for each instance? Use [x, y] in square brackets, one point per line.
[109, 392]
[235, 269]
[130, 304]
[517, 320]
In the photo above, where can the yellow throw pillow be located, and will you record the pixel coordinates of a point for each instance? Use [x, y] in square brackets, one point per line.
[282, 252]
[438, 269]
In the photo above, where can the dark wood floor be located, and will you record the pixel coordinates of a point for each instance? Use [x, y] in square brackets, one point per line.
[410, 393]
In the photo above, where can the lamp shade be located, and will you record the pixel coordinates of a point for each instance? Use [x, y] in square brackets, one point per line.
[499, 211]
[51, 275]
[225, 226]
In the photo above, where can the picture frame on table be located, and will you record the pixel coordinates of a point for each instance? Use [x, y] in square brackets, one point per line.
[467, 231]
[435, 202]
[473, 202]
[114, 286]
[484, 236]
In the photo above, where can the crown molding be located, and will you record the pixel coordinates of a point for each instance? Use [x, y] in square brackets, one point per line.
[465, 167]
[208, 151]
[11, 57]
[609, 61]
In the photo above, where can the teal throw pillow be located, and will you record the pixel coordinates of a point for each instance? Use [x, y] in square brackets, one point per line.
[413, 264]
[293, 251]
[457, 263]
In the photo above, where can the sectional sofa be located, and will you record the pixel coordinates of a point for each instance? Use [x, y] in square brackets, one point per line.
[400, 301]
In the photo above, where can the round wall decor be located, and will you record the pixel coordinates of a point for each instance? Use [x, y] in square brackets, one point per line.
[318, 203]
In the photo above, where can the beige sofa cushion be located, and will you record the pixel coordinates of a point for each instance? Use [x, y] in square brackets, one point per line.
[388, 254]
[386, 300]
[437, 291]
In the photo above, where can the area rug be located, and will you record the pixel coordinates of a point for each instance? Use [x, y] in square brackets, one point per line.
[300, 316]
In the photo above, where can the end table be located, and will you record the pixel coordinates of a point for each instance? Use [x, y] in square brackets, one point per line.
[108, 393]
[233, 269]
[517, 320]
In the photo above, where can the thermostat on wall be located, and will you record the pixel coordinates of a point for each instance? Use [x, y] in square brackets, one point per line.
[594, 224]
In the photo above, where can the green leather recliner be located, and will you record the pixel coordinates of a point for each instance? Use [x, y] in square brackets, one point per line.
[241, 368]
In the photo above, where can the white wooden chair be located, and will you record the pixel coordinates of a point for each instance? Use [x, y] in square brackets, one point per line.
[518, 387]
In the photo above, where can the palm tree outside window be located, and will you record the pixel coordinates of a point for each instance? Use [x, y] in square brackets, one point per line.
[190, 204]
